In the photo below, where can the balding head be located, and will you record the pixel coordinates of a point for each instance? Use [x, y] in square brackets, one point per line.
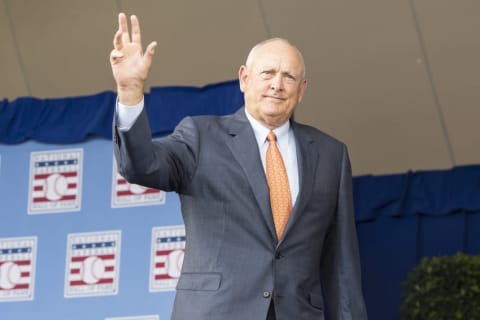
[273, 81]
[251, 54]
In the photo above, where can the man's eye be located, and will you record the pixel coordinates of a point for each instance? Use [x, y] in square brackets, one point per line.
[267, 74]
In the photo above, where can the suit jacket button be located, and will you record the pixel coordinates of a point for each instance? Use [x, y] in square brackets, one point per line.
[267, 294]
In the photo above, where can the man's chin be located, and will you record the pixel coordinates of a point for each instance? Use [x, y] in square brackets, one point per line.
[276, 118]
[273, 109]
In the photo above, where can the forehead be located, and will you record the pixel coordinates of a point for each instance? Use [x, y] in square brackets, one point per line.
[277, 55]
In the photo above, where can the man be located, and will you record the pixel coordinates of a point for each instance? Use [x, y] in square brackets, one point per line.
[269, 233]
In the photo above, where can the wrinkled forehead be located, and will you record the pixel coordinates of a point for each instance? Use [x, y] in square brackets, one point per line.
[276, 53]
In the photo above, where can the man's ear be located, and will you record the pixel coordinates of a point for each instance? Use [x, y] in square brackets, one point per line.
[303, 88]
[242, 77]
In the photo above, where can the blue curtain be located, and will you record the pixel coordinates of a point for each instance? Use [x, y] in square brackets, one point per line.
[70, 120]
[404, 217]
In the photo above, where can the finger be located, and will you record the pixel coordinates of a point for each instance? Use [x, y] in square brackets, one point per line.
[123, 25]
[149, 52]
[136, 35]
[117, 40]
[125, 38]
[115, 55]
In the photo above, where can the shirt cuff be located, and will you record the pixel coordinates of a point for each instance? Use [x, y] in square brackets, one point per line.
[127, 115]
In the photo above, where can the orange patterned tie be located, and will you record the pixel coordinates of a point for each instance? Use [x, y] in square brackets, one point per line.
[277, 179]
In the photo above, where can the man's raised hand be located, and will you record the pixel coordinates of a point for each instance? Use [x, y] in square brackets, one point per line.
[130, 65]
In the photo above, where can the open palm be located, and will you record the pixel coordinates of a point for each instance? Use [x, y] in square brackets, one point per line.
[130, 65]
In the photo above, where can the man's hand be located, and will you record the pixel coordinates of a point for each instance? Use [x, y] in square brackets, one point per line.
[130, 65]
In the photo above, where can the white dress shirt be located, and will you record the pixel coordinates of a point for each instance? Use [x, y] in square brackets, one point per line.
[126, 116]
[287, 146]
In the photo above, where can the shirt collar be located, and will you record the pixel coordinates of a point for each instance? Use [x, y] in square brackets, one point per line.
[261, 131]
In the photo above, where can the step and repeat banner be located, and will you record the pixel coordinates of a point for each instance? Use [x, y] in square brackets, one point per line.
[79, 242]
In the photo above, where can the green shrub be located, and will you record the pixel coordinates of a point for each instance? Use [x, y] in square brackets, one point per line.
[443, 288]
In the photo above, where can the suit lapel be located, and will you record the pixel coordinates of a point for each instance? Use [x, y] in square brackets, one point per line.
[307, 158]
[245, 150]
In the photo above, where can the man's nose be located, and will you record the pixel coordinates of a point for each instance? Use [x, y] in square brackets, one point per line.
[276, 83]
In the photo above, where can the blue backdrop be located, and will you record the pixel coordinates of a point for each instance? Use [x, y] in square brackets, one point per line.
[77, 242]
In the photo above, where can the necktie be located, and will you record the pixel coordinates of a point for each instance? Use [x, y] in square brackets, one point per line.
[277, 180]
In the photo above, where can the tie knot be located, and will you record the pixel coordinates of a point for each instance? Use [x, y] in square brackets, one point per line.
[271, 137]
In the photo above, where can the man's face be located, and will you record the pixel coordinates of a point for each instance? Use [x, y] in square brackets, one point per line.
[273, 83]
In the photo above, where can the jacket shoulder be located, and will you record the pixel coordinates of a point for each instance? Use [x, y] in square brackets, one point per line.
[208, 122]
[317, 135]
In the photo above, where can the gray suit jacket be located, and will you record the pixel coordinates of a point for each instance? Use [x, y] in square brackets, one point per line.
[234, 266]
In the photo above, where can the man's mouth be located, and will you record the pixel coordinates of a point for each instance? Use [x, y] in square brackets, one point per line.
[276, 98]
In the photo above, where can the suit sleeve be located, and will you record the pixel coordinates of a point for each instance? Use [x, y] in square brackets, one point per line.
[340, 269]
[167, 164]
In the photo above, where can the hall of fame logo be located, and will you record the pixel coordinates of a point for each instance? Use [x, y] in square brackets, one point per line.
[149, 317]
[17, 268]
[168, 249]
[125, 194]
[93, 262]
[55, 181]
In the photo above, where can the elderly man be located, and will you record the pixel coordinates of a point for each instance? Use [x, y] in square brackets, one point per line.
[266, 201]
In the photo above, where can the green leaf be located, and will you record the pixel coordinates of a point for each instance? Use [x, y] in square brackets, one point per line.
[445, 287]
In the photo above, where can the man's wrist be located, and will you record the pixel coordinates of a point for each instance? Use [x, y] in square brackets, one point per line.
[131, 95]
